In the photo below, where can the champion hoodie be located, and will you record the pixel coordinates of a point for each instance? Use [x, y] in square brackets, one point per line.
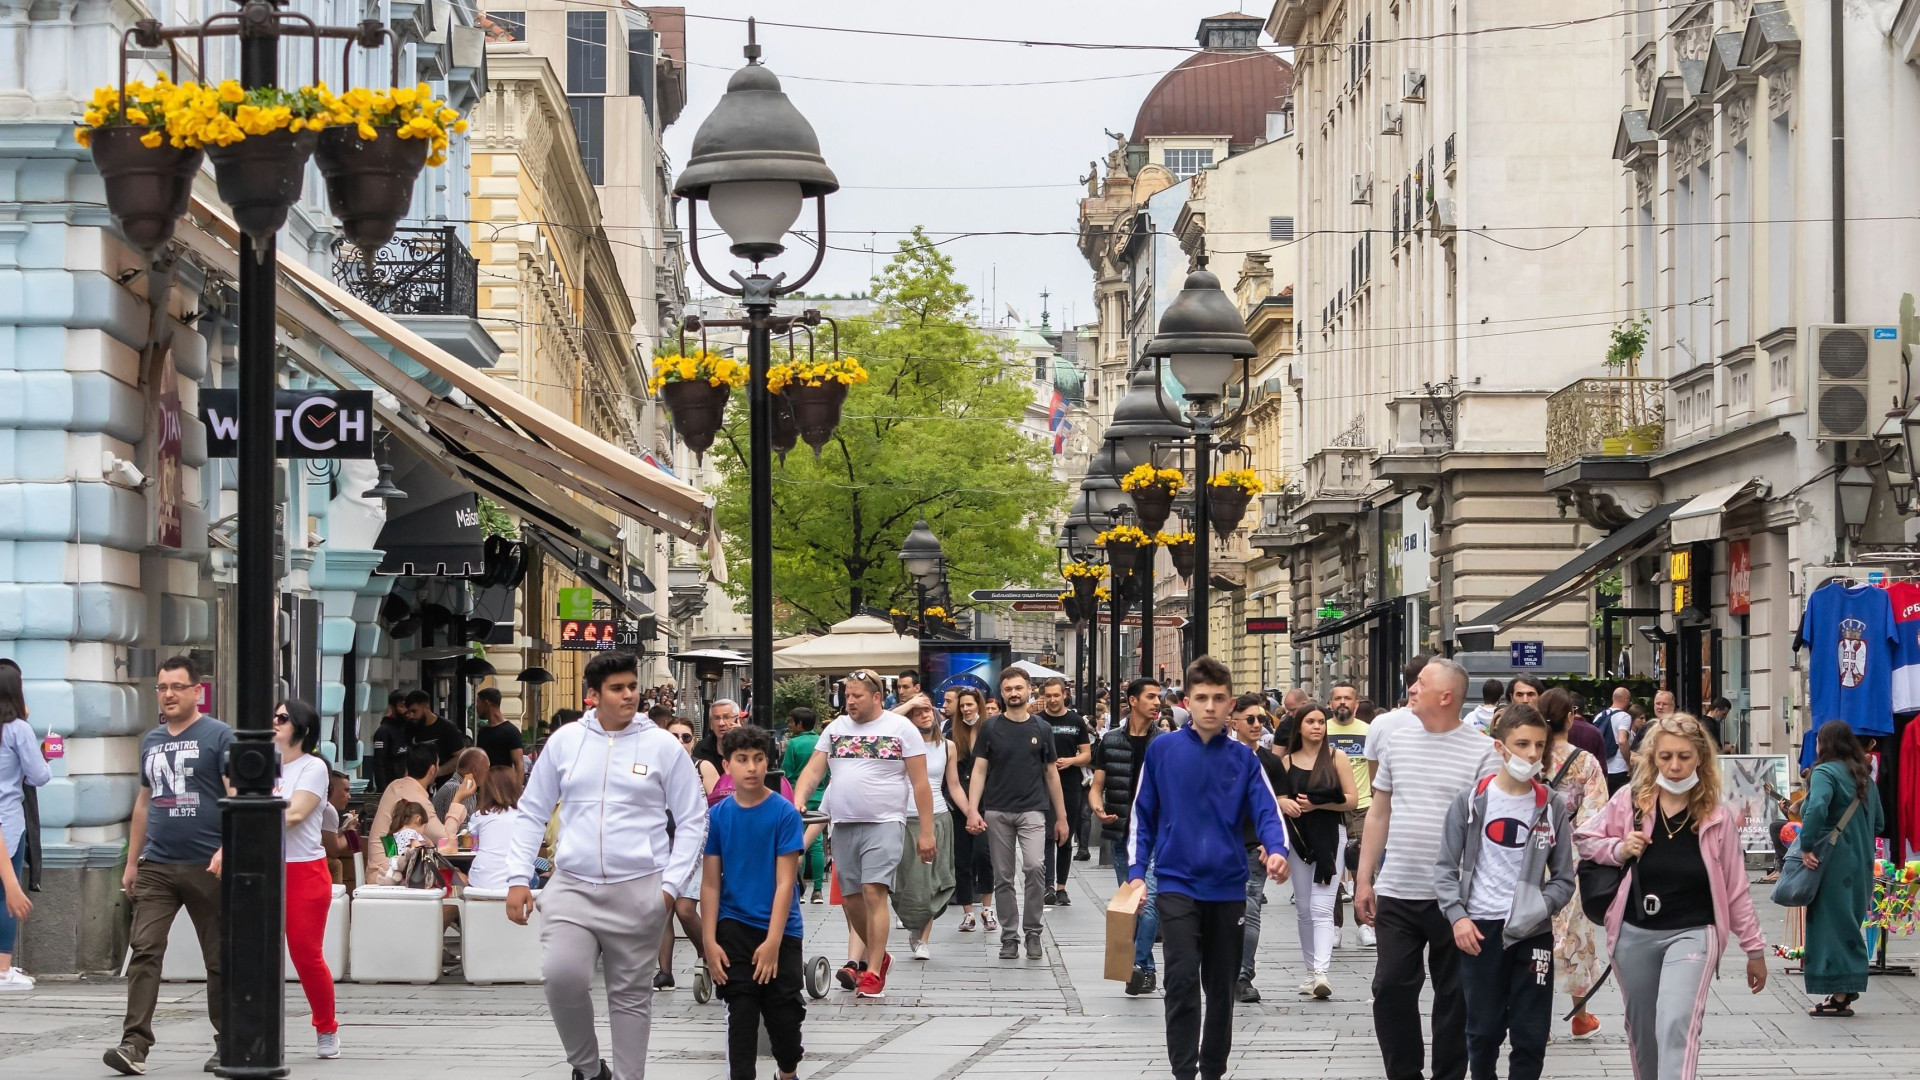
[614, 791]
[1192, 799]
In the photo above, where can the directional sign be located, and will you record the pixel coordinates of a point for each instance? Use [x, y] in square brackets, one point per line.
[988, 595]
[1175, 621]
[1036, 605]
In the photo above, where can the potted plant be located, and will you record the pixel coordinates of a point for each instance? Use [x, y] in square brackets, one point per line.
[1124, 543]
[937, 616]
[1180, 546]
[1075, 611]
[695, 390]
[1153, 491]
[1633, 431]
[816, 389]
[902, 621]
[1083, 577]
[1228, 494]
[373, 154]
[259, 141]
[147, 170]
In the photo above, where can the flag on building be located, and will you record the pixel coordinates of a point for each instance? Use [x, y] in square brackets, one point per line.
[1057, 421]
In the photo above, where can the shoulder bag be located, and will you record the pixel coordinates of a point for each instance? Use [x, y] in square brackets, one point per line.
[1800, 883]
[1600, 882]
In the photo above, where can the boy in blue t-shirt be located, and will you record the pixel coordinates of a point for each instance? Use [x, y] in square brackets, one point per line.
[750, 907]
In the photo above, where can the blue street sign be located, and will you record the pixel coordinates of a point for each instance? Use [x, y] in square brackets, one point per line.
[1526, 654]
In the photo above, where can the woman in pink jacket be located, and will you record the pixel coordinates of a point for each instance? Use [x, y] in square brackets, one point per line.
[1680, 903]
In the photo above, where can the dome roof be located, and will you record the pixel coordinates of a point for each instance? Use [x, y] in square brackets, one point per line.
[1216, 92]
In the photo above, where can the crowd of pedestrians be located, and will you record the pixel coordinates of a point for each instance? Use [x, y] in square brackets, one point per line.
[1456, 823]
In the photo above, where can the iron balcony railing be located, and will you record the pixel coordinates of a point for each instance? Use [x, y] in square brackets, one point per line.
[418, 272]
[1605, 417]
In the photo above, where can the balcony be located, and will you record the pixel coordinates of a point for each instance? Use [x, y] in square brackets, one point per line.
[428, 281]
[1613, 417]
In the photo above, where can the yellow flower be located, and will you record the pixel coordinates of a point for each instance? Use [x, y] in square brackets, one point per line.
[83, 136]
[231, 93]
[151, 139]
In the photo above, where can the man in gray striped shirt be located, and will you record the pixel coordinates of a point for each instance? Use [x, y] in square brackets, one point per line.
[1421, 768]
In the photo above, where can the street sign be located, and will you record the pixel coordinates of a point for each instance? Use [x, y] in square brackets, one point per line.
[1527, 654]
[1174, 621]
[576, 603]
[1002, 595]
[1036, 605]
[1276, 624]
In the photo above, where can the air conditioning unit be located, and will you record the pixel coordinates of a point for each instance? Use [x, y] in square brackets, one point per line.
[1362, 189]
[1856, 378]
[1413, 86]
[1390, 119]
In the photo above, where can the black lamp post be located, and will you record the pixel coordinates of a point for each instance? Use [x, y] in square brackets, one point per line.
[1200, 338]
[926, 563]
[1104, 505]
[1076, 543]
[755, 160]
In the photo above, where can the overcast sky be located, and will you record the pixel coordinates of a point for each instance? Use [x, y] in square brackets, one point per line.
[1018, 148]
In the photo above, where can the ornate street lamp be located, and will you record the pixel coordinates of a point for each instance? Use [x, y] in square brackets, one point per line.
[926, 563]
[1200, 338]
[755, 160]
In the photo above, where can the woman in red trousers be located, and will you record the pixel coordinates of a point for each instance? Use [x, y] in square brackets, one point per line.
[303, 783]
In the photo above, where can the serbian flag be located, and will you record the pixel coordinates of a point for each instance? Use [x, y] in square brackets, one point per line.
[1057, 421]
[1060, 437]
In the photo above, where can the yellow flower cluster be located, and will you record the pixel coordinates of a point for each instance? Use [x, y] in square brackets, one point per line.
[1167, 539]
[846, 371]
[191, 115]
[936, 612]
[1083, 570]
[1240, 478]
[1123, 534]
[1102, 593]
[895, 611]
[1065, 596]
[1146, 476]
[712, 367]
[414, 111]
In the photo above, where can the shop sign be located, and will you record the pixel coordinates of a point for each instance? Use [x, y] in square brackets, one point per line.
[1739, 578]
[575, 603]
[1270, 624]
[306, 423]
[588, 635]
[167, 533]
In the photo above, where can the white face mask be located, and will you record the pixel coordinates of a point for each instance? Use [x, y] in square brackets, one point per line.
[1522, 770]
[1678, 787]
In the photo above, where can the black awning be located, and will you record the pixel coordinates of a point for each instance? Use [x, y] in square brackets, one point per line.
[1346, 622]
[1478, 633]
[594, 572]
[435, 531]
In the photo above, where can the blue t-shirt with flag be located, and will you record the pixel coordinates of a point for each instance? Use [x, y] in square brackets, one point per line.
[1851, 652]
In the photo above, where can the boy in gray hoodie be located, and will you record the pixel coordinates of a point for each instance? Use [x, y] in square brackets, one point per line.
[1505, 866]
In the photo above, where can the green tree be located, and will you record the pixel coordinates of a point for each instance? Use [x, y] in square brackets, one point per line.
[933, 433]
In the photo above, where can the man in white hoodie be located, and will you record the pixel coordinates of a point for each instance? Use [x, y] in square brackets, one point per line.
[615, 777]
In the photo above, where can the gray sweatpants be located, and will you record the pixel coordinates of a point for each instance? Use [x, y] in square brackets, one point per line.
[1664, 977]
[1021, 836]
[619, 924]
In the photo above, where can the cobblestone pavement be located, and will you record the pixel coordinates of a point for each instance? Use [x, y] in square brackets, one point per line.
[964, 1013]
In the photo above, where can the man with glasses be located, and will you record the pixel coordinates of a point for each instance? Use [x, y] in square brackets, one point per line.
[878, 764]
[173, 855]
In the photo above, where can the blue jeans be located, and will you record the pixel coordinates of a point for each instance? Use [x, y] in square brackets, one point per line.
[10, 926]
[1256, 901]
[1148, 928]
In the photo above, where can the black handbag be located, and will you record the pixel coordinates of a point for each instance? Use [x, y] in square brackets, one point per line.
[1600, 883]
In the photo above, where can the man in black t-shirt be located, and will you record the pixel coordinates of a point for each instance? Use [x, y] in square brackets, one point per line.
[426, 726]
[390, 741]
[1014, 786]
[499, 736]
[1072, 751]
[1248, 725]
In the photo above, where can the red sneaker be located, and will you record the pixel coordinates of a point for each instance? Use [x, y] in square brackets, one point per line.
[886, 965]
[1584, 1026]
[872, 985]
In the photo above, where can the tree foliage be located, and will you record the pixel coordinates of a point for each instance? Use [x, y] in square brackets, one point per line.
[934, 433]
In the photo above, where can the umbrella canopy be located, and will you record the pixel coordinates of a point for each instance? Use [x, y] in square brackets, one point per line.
[1036, 672]
[860, 642]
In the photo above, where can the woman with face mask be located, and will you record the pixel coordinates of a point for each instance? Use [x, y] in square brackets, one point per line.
[1684, 898]
[1579, 778]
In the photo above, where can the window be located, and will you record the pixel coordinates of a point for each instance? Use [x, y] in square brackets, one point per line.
[513, 22]
[1233, 39]
[1647, 277]
[586, 52]
[1360, 51]
[589, 123]
[640, 66]
[1184, 163]
[1740, 225]
[1280, 228]
[1780, 218]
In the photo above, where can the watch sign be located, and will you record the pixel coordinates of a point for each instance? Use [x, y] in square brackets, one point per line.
[307, 423]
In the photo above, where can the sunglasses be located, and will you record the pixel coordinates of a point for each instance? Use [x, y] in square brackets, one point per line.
[282, 718]
[686, 736]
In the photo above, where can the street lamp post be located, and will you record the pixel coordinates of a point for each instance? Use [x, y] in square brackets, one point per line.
[926, 562]
[1200, 337]
[754, 161]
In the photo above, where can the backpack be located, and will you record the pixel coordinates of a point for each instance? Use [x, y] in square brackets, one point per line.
[1609, 744]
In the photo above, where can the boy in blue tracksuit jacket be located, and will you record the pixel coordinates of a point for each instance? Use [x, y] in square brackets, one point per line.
[1197, 789]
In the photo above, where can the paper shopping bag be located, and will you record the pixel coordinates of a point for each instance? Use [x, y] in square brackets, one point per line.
[1123, 913]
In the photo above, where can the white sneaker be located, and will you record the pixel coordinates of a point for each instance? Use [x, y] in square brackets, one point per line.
[1339, 938]
[1367, 940]
[1322, 989]
[897, 924]
[1306, 988]
[15, 979]
[921, 951]
[329, 1046]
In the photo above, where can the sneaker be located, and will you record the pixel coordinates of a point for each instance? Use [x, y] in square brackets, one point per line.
[849, 975]
[1009, 950]
[14, 979]
[662, 981]
[1140, 982]
[605, 1073]
[1051, 898]
[1339, 939]
[1306, 988]
[1153, 981]
[1322, 989]
[819, 897]
[1367, 940]
[921, 951]
[1034, 949]
[987, 921]
[886, 965]
[1585, 1026]
[1061, 898]
[897, 924]
[1083, 855]
[1246, 993]
[968, 924]
[329, 1045]
[126, 1059]
[872, 985]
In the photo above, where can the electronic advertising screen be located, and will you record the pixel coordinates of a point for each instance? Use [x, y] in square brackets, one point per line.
[964, 663]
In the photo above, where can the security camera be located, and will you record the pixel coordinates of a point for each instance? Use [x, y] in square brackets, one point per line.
[121, 472]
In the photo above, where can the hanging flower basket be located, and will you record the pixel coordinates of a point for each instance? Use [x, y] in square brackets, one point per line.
[1152, 491]
[260, 177]
[900, 619]
[1228, 494]
[1074, 608]
[816, 411]
[147, 187]
[785, 432]
[697, 408]
[374, 154]
[1083, 578]
[1180, 546]
[1124, 543]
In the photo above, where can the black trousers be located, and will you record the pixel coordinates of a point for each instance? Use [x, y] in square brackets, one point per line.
[1509, 996]
[749, 1004]
[1062, 854]
[972, 866]
[1404, 929]
[1201, 941]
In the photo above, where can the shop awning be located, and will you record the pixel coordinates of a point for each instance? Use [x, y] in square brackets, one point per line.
[1700, 518]
[435, 531]
[509, 437]
[582, 564]
[1345, 622]
[1576, 573]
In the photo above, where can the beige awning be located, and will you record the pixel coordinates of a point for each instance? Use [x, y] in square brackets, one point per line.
[530, 443]
[1700, 519]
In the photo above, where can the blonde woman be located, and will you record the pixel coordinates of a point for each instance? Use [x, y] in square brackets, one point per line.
[1580, 779]
[921, 889]
[1683, 900]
